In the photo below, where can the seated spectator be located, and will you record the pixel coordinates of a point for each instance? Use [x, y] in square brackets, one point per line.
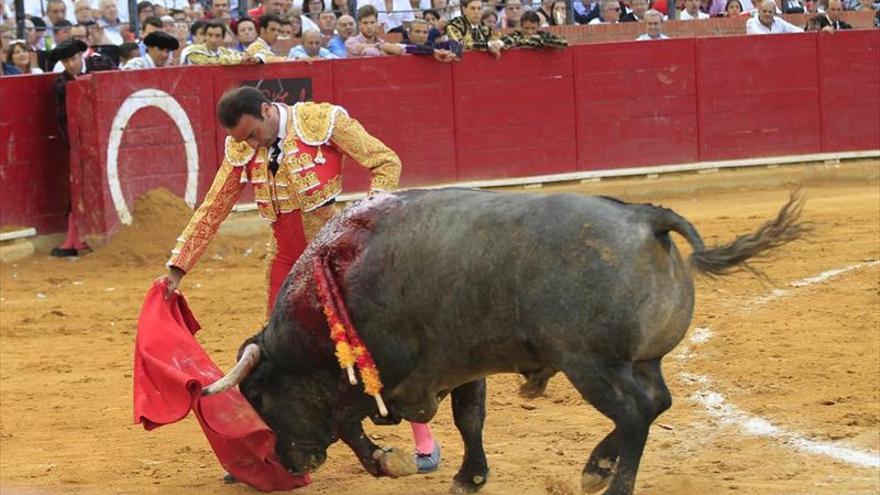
[793, 7]
[128, 51]
[6, 39]
[869, 5]
[212, 51]
[311, 48]
[274, 7]
[531, 36]
[732, 8]
[261, 48]
[110, 22]
[610, 10]
[513, 12]
[835, 9]
[246, 32]
[447, 12]
[35, 30]
[637, 14]
[436, 24]
[368, 43]
[813, 7]
[418, 32]
[467, 30]
[96, 34]
[692, 11]
[144, 10]
[585, 11]
[767, 23]
[311, 9]
[219, 11]
[159, 47]
[560, 12]
[818, 23]
[489, 19]
[83, 11]
[345, 29]
[341, 8]
[392, 20]
[653, 26]
[61, 31]
[19, 56]
[545, 12]
[327, 26]
[56, 11]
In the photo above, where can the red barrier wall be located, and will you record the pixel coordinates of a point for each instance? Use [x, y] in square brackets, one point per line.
[599, 106]
[33, 168]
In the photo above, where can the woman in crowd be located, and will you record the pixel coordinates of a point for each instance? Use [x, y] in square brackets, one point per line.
[20, 57]
[490, 19]
[559, 12]
[732, 8]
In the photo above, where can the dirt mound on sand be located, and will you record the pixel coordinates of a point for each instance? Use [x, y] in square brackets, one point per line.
[159, 218]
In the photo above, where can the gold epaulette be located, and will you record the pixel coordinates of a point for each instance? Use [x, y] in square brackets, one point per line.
[238, 154]
[314, 122]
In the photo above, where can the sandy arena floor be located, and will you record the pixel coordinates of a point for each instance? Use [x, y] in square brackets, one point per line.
[777, 388]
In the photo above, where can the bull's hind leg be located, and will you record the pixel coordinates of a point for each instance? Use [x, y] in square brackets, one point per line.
[600, 467]
[469, 412]
[630, 394]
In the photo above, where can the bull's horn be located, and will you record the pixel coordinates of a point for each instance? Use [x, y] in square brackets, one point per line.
[249, 358]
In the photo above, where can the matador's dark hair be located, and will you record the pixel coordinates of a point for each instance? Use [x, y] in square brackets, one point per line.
[240, 101]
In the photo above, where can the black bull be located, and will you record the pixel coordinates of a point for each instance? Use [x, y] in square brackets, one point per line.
[449, 286]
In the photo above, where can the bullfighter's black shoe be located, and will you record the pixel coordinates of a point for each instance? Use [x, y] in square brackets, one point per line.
[63, 252]
[229, 479]
[428, 463]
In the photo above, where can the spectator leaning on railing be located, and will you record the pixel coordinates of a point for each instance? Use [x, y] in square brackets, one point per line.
[212, 51]
[261, 48]
[311, 48]
[467, 30]
[767, 23]
[246, 32]
[531, 36]
[653, 26]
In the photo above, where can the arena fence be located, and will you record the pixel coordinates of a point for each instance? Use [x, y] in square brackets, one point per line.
[589, 111]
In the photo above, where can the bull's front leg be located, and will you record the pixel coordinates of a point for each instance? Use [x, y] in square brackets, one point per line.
[376, 460]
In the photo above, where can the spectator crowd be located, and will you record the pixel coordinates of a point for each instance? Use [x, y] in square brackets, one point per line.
[197, 32]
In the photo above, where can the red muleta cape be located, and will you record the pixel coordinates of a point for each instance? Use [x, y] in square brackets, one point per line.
[170, 369]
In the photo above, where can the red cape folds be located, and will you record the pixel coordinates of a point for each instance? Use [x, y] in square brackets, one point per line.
[170, 369]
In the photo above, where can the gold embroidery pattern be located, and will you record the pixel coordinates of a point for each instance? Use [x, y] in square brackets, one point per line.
[238, 154]
[305, 182]
[315, 121]
[331, 189]
[314, 220]
[351, 138]
[204, 224]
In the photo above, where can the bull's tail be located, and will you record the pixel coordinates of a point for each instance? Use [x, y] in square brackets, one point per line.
[724, 259]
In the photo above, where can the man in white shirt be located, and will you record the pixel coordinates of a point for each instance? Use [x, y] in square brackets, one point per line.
[110, 21]
[767, 23]
[653, 26]
[692, 11]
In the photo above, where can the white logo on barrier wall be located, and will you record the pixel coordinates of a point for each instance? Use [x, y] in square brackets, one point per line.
[165, 102]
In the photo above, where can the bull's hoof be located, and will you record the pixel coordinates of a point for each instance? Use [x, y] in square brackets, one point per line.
[596, 478]
[396, 463]
[472, 484]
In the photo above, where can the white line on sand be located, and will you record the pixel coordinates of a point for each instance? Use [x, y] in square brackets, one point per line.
[717, 406]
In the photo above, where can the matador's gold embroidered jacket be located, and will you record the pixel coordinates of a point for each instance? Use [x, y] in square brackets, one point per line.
[309, 173]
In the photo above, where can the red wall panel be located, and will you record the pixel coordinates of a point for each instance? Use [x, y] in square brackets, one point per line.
[757, 96]
[636, 104]
[406, 102]
[33, 158]
[515, 116]
[849, 68]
